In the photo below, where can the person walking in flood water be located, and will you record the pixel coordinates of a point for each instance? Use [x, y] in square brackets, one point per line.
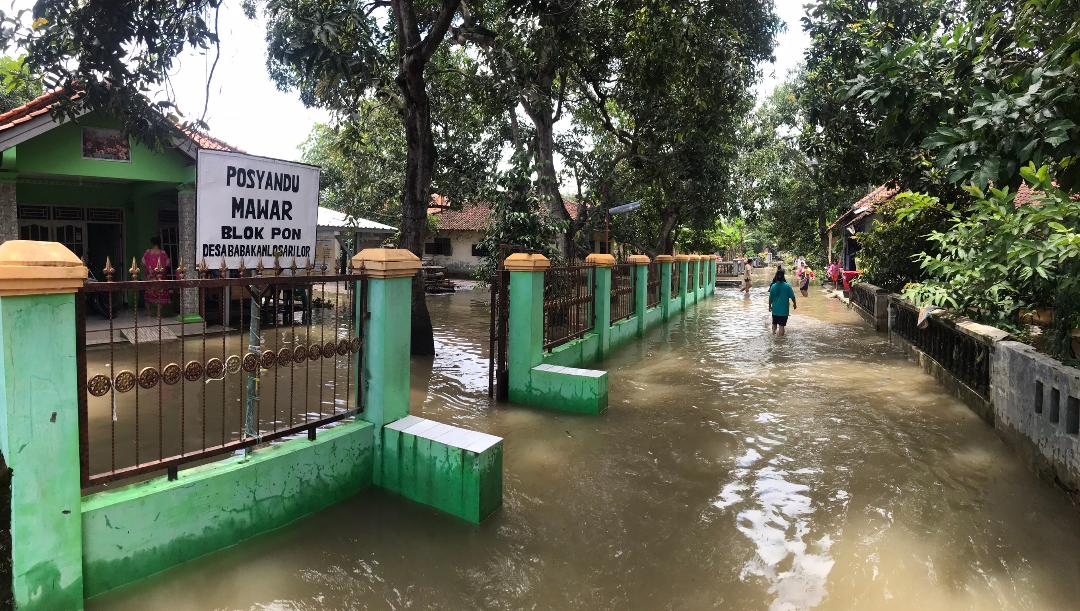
[748, 272]
[779, 294]
[157, 265]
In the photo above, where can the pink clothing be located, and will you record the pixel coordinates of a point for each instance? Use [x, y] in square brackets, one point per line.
[152, 262]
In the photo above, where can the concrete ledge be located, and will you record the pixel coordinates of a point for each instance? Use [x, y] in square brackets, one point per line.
[446, 467]
[144, 528]
[568, 389]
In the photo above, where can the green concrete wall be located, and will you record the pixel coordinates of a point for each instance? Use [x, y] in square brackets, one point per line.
[452, 469]
[548, 386]
[141, 529]
[39, 436]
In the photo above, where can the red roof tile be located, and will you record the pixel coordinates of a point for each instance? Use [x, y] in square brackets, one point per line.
[476, 216]
[45, 102]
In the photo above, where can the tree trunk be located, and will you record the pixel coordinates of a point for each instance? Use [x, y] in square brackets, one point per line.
[666, 243]
[419, 164]
[540, 112]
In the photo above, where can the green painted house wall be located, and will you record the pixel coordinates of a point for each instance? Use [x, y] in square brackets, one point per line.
[145, 528]
[58, 152]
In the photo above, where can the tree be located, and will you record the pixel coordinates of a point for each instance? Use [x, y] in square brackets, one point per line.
[665, 93]
[17, 85]
[339, 53]
[112, 53]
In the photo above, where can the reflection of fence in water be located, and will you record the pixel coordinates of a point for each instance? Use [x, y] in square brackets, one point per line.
[622, 291]
[155, 405]
[964, 356]
[568, 304]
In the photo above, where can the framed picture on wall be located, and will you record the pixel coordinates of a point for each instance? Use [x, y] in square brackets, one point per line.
[105, 144]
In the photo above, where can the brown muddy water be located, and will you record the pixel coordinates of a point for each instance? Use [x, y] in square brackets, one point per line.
[732, 470]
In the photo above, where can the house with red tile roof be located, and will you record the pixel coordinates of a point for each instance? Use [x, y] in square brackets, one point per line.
[86, 184]
[859, 218]
[456, 243]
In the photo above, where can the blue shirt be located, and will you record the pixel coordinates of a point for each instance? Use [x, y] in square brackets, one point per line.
[779, 294]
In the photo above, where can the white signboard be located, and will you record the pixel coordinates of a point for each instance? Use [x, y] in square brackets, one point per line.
[254, 207]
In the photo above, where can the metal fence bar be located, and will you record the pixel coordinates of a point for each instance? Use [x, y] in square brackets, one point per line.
[653, 286]
[622, 291]
[962, 355]
[568, 304]
[126, 361]
[675, 279]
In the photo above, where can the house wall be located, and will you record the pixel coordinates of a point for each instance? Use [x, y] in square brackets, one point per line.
[460, 262]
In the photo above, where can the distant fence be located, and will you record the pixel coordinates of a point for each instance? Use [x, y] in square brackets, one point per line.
[568, 304]
[267, 356]
[725, 268]
[622, 291]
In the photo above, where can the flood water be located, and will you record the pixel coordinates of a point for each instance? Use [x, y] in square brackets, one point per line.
[732, 470]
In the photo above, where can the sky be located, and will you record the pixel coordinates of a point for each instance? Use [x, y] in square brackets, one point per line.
[247, 110]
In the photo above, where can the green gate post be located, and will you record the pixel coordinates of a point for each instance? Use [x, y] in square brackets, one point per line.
[525, 346]
[712, 275]
[641, 289]
[665, 262]
[385, 376]
[39, 421]
[695, 269]
[602, 301]
[683, 261]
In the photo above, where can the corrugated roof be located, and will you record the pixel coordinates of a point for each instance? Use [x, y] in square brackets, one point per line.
[333, 218]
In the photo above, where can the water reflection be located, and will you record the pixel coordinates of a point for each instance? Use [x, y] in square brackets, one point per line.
[733, 470]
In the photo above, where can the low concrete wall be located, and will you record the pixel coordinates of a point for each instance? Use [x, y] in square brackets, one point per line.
[1036, 402]
[141, 529]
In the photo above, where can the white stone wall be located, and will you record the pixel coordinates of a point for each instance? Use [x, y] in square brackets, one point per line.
[1036, 403]
[460, 262]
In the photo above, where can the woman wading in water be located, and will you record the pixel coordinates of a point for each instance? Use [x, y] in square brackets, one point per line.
[779, 294]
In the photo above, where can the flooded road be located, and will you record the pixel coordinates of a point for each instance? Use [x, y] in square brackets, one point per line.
[732, 470]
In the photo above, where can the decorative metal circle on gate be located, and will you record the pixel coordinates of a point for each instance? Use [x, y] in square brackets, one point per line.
[250, 362]
[193, 371]
[125, 381]
[99, 385]
[299, 353]
[232, 364]
[329, 349]
[357, 343]
[313, 352]
[215, 369]
[266, 361]
[284, 357]
[171, 374]
[148, 377]
[344, 346]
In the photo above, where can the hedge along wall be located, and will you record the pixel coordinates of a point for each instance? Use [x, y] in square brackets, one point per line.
[561, 384]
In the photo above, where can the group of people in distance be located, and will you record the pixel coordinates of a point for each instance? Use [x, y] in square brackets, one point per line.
[781, 295]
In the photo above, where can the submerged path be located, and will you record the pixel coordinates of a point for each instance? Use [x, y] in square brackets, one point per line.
[732, 470]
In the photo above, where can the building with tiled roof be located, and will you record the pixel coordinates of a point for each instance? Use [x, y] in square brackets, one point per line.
[855, 220]
[456, 243]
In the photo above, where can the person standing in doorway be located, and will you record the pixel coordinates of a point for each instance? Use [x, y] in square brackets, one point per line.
[779, 294]
[157, 264]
